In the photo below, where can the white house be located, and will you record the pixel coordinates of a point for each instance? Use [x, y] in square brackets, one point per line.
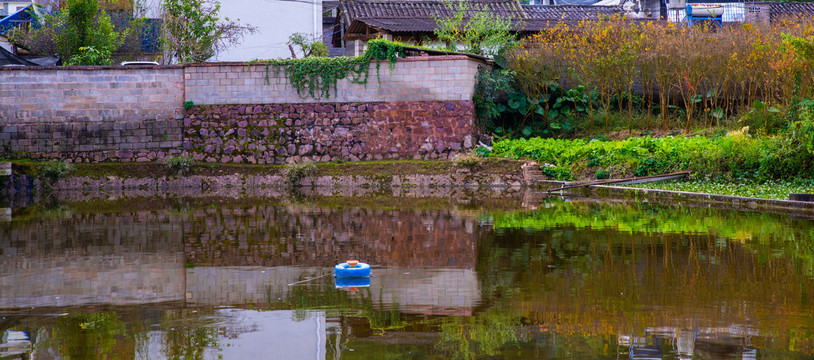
[10, 7]
[275, 20]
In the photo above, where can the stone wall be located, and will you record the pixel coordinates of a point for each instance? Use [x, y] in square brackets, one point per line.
[275, 134]
[421, 108]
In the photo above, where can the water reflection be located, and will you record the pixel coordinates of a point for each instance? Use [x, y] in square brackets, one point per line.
[460, 277]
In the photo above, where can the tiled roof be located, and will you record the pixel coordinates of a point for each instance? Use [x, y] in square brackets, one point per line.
[783, 9]
[422, 9]
[540, 17]
[412, 16]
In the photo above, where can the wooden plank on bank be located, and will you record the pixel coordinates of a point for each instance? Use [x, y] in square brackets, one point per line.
[628, 181]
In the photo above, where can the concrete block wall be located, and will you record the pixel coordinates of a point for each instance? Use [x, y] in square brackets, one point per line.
[93, 94]
[423, 78]
[54, 111]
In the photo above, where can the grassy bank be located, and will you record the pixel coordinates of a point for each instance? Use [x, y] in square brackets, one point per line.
[727, 158]
[771, 189]
[157, 169]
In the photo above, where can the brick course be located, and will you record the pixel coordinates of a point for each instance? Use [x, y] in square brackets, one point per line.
[423, 78]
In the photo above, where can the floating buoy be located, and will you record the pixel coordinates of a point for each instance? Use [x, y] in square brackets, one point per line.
[352, 269]
[352, 284]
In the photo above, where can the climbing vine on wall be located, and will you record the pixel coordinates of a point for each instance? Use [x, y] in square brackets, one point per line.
[317, 76]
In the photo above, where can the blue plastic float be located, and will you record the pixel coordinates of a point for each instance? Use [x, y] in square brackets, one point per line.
[351, 283]
[352, 269]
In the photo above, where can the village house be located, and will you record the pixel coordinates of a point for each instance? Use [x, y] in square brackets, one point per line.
[413, 22]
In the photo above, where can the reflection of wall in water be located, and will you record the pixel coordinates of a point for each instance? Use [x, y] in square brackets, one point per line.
[268, 236]
[100, 258]
[436, 291]
[135, 257]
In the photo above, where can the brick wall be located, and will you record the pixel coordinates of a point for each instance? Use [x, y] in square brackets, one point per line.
[438, 78]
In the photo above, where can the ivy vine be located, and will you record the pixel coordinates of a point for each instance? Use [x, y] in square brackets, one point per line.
[317, 76]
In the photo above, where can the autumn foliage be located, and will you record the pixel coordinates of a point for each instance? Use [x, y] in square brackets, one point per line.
[710, 73]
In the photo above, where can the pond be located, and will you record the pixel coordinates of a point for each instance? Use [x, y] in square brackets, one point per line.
[457, 274]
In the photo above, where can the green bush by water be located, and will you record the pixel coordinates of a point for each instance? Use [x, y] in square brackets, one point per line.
[730, 157]
[55, 170]
[179, 164]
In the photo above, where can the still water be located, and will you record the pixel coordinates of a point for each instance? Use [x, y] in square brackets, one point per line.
[456, 275]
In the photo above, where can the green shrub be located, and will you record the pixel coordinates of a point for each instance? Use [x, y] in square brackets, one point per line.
[89, 55]
[602, 174]
[734, 156]
[178, 164]
[55, 170]
[467, 160]
[557, 173]
[293, 173]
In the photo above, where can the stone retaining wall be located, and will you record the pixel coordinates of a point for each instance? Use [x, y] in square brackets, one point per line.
[280, 133]
[421, 108]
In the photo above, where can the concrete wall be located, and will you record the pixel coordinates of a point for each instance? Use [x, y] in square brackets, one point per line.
[81, 110]
[90, 95]
[438, 78]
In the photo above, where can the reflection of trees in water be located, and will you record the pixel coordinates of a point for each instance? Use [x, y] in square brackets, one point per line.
[484, 334]
[305, 299]
[101, 335]
[618, 269]
[770, 235]
[186, 337]
[189, 333]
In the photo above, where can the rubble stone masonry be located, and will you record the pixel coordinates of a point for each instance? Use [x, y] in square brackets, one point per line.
[421, 108]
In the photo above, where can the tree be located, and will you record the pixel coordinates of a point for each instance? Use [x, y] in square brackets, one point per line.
[478, 30]
[193, 32]
[81, 28]
[309, 45]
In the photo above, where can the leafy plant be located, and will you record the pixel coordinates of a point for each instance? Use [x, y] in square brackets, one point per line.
[468, 160]
[729, 157]
[705, 81]
[293, 173]
[557, 173]
[90, 56]
[55, 170]
[477, 30]
[81, 33]
[179, 164]
[188, 105]
[317, 76]
[489, 86]
[308, 45]
[194, 32]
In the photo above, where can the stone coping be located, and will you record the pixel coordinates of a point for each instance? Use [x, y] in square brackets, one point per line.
[91, 68]
[727, 201]
[212, 64]
[407, 59]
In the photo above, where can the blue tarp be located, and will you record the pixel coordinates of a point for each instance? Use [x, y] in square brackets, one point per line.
[17, 18]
